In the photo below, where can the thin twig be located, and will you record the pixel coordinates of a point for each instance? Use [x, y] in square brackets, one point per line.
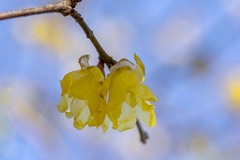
[143, 134]
[103, 56]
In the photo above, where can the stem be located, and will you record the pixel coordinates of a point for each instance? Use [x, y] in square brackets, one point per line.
[143, 134]
[103, 56]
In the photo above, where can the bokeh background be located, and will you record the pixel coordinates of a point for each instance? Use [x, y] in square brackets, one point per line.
[190, 49]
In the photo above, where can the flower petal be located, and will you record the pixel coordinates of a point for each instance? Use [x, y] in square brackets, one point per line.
[131, 100]
[122, 64]
[128, 118]
[84, 61]
[140, 69]
[97, 74]
[143, 92]
[64, 103]
[70, 78]
[81, 120]
[105, 124]
[76, 108]
[147, 116]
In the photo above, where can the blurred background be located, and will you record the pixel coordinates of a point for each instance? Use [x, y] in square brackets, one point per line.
[190, 49]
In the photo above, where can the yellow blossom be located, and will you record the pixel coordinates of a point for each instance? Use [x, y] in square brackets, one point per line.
[49, 32]
[128, 98]
[233, 88]
[81, 98]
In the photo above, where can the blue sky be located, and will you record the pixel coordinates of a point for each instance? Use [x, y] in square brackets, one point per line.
[190, 51]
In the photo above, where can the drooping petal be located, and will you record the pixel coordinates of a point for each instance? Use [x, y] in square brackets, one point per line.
[128, 118]
[105, 124]
[130, 99]
[64, 103]
[121, 80]
[97, 105]
[147, 116]
[91, 121]
[76, 108]
[81, 120]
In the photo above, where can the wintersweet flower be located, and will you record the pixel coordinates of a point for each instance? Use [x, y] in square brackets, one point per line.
[81, 97]
[128, 98]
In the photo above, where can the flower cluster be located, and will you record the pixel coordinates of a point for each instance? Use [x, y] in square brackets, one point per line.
[121, 98]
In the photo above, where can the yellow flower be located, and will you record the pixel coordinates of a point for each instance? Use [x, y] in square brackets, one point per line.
[128, 98]
[81, 96]
[233, 90]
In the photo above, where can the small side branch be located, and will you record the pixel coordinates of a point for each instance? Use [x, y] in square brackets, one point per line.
[143, 134]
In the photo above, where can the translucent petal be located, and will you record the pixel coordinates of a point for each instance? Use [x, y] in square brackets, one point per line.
[146, 105]
[105, 124]
[81, 120]
[147, 115]
[91, 121]
[84, 61]
[64, 103]
[128, 118]
[76, 107]
[122, 64]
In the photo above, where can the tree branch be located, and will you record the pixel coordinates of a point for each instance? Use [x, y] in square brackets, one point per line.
[56, 7]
